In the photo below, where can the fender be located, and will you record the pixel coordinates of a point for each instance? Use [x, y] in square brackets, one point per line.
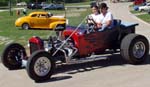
[55, 24]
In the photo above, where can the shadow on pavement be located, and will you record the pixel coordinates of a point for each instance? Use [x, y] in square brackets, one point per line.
[56, 78]
[114, 60]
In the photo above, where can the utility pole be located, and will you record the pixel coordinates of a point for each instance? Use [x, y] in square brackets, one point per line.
[10, 8]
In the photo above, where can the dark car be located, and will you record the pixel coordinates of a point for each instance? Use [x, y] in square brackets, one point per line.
[34, 6]
[54, 7]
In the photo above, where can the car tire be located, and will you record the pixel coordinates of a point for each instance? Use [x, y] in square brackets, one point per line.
[134, 48]
[40, 66]
[25, 26]
[12, 56]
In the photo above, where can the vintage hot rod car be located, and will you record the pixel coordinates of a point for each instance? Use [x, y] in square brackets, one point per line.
[41, 20]
[76, 45]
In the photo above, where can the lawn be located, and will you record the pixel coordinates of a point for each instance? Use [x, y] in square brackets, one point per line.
[135, 12]
[142, 15]
[145, 17]
[9, 33]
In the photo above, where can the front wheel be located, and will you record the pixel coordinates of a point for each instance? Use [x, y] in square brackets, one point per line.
[40, 66]
[25, 26]
[12, 56]
[134, 48]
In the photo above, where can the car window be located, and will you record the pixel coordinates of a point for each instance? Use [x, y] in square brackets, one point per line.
[42, 15]
[34, 15]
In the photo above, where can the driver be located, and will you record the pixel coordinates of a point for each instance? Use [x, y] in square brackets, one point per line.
[106, 18]
[94, 17]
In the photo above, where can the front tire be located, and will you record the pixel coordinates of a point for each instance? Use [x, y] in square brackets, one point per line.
[134, 48]
[25, 26]
[12, 56]
[40, 66]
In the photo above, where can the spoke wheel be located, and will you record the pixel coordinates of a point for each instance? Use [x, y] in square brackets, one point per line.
[40, 66]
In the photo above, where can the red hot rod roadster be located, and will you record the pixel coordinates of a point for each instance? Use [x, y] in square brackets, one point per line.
[77, 45]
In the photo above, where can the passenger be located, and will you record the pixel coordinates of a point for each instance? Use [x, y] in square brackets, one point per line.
[106, 18]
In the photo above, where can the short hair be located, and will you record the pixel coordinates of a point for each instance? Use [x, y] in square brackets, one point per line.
[103, 5]
[94, 6]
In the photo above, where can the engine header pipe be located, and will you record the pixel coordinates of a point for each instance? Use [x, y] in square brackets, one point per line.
[69, 36]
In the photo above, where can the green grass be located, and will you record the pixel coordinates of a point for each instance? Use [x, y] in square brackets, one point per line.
[135, 12]
[9, 33]
[145, 17]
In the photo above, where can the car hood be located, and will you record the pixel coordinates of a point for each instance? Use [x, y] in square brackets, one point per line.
[24, 17]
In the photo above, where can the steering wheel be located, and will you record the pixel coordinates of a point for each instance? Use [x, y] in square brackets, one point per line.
[91, 24]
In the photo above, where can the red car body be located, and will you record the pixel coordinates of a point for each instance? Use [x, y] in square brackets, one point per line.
[92, 42]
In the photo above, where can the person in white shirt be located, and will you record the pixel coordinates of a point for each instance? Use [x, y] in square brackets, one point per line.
[106, 18]
[94, 17]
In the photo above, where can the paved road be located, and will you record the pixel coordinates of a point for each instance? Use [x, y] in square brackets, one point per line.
[105, 73]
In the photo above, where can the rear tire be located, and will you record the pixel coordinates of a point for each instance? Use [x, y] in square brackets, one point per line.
[40, 66]
[134, 48]
[12, 56]
[25, 26]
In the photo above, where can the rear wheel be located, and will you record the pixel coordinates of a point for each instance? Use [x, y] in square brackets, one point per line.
[40, 66]
[25, 26]
[134, 48]
[12, 56]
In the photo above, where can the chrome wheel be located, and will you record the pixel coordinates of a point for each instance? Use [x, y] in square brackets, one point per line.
[139, 49]
[135, 48]
[25, 26]
[42, 66]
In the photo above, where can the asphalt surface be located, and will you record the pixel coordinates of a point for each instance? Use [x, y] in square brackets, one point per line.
[114, 72]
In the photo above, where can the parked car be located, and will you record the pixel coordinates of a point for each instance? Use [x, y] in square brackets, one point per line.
[136, 8]
[40, 20]
[54, 7]
[77, 45]
[34, 6]
[145, 7]
[21, 4]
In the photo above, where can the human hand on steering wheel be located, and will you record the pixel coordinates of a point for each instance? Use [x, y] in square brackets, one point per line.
[90, 20]
[91, 24]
